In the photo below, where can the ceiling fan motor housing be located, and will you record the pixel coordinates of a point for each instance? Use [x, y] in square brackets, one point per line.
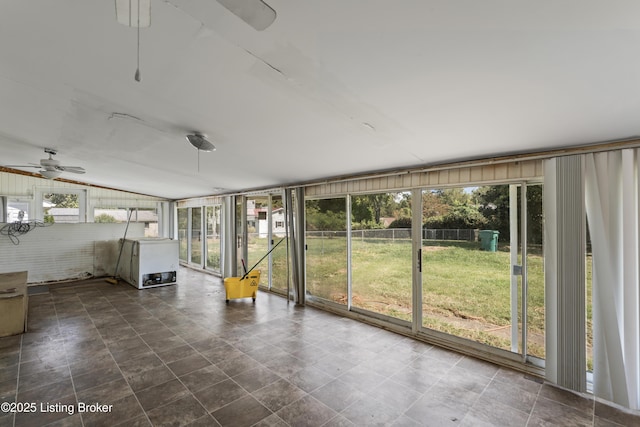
[200, 142]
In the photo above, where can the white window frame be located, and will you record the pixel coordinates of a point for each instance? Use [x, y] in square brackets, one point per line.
[82, 201]
[5, 201]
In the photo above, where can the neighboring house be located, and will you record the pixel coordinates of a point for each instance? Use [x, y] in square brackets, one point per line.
[64, 215]
[387, 220]
[278, 220]
[120, 215]
[260, 222]
[71, 216]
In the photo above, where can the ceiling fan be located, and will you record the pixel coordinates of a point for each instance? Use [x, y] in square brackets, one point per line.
[256, 13]
[51, 168]
[137, 13]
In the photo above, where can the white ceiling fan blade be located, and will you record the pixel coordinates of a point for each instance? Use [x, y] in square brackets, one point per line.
[127, 13]
[256, 13]
[72, 169]
[50, 168]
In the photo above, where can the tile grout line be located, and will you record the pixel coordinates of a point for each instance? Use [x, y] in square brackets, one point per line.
[593, 411]
[151, 349]
[231, 378]
[535, 403]
[177, 377]
[195, 313]
[166, 366]
[20, 357]
[228, 376]
[107, 347]
[66, 358]
[15, 399]
[118, 365]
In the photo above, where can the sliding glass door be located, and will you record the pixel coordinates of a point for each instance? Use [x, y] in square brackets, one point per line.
[479, 265]
[326, 256]
[466, 264]
[196, 237]
[213, 230]
[535, 333]
[265, 233]
[258, 236]
[183, 233]
[278, 258]
[381, 254]
[190, 235]
[481, 254]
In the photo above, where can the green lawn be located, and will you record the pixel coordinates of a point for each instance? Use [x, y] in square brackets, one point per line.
[256, 249]
[466, 291]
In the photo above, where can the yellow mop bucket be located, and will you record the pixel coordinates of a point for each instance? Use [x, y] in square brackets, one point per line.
[247, 285]
[242, 287]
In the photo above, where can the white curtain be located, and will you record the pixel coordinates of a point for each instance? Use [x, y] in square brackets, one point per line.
[612, 200]
[564, 272]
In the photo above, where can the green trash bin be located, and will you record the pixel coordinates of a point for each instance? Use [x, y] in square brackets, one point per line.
[489, 240]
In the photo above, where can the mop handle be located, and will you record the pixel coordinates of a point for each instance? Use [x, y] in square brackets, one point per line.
[256, 264]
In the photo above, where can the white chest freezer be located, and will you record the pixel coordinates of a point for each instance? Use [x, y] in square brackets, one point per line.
[149, 262]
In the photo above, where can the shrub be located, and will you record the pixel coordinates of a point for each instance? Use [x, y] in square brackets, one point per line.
[403, 222]
[104, 218]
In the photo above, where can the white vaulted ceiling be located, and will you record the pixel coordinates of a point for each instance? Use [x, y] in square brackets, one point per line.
[331, 88]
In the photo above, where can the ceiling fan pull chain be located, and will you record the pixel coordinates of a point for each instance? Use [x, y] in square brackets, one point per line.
[137, 75]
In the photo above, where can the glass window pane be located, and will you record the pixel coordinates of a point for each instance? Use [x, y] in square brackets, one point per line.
[17, 211]
[61, 208]
[213, 225]
[381, 254]
[466, 276]
[183, 222]
[196, 236]
[326, 258]
[535, 273]
[279, 255]
[240, 243]
[258, 236]
[148, 216]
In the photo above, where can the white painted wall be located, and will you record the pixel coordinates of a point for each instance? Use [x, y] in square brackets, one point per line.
[65, 251]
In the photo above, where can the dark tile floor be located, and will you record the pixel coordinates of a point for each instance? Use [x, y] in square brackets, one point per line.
[178, 355]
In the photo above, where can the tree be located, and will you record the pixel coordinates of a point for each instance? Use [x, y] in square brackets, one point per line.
[331, 205]
[459, 215]
[367, 210]
[402, 206]
[62, 200]
[451, 196]
[326, 214]
[183, 218]
[326, 221]
[494, 205]
[433, 204]
[104, 218]
[361, 209]
[494, 201]
[59, 200]
[403, 222]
